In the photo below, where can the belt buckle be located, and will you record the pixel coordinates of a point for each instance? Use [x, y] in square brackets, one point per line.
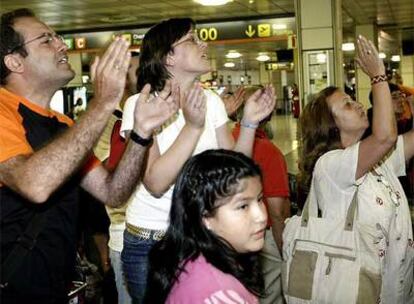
[145, 233]
[158, 235]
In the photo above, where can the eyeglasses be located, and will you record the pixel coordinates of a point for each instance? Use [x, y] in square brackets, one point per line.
[193, 39]
[49, 38]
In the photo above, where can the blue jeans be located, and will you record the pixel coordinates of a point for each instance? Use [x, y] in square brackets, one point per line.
[134, 258]
[121, 286]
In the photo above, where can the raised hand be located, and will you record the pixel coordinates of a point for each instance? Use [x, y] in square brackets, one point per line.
[151, 112]
[368, 59]
[108, 73]
[259, 105]
[234, 101]
[194, 107]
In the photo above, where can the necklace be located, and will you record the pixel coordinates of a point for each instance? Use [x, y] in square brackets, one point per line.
[394, 195]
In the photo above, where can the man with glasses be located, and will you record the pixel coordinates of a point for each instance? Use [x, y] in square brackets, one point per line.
[43, 161]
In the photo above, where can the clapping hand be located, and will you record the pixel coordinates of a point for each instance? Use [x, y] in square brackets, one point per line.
[108, 73]
[259, 105]
[368, 59]
[233, 101]
[151, 112]
[194, 107]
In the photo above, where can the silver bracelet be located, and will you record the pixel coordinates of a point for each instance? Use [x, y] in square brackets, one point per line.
[248, 125]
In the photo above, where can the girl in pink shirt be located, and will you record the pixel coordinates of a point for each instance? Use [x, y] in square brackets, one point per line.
[217, 226]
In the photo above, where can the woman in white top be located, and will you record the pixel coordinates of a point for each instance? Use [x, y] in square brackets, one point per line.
[172, 51]
[338, 160]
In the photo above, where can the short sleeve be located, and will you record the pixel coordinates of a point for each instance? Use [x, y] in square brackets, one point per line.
[396, 159]
[216, 107]
[128, 114]
[12, 139]
[339, 166]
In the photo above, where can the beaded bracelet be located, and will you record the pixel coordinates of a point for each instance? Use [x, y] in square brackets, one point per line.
[379, 78]
[139, 140]
[248, 125]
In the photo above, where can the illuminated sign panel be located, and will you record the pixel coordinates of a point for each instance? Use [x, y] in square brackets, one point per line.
[251, 29]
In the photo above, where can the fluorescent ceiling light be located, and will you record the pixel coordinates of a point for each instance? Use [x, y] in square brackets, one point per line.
[263, 57]
[395, 58]
[348, 47]
[229, 65]
[233, 54]
[212, 2]
[279, 26]
[382, 55]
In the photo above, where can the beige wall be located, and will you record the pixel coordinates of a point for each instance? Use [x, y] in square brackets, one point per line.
[407, 70]
[76, 63]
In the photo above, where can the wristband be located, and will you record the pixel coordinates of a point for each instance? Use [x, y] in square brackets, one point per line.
[379, 78]
[248, 125]
[139, 140]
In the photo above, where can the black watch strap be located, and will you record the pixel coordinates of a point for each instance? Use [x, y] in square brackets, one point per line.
[139, 140]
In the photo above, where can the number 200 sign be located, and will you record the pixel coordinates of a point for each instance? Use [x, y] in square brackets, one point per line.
[206, 34]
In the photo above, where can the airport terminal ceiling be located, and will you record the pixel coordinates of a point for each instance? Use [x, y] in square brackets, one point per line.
[395, 18]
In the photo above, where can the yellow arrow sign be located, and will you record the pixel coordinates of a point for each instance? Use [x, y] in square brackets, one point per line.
[250, 31]
[264, 30]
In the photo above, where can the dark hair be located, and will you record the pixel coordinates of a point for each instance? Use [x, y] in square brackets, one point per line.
[393, 87]
[11, 40]
[318, 134]
[155, 47]
[203, 181]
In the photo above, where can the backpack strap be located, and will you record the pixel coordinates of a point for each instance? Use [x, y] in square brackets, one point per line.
[24, 244]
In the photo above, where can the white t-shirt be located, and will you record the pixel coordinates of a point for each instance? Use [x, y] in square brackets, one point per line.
[145, 210]
[334, 186]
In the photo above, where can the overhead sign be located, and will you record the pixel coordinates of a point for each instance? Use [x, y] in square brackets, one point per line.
[207, 33]
[260, 28]
[69, 43]
[127, 37]
[264, 30]
[250, 31]
[271, 66]
[80, 43]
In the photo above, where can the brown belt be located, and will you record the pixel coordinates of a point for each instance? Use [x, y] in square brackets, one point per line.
[144, 233]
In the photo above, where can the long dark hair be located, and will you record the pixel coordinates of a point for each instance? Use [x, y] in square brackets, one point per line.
[203, 181]
[318, 134]
[155, 47]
